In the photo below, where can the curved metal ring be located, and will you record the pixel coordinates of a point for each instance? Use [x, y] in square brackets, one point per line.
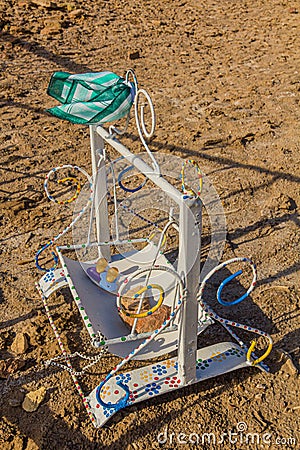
[36, 259]
[153, 234]
[136, 295]
[128, 169]
[223, 284]
[78, 189]
[190, 192]
[262, 357]
[131, 72]
[153, 118]
[141, 127]
[231, 277]
[122, 403]
[52, 199]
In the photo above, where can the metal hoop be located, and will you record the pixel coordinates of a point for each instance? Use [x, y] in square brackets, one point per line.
[131, 72]
[78, 189]
[262, 357]
[126, 189]
[51, 198]
[120, 403]
[190, 192]
[231, 277]
[136, 295]
[223, 284]
[141, 127]
[153, 118]
[229, 323]
[63, 180]
[151, 237]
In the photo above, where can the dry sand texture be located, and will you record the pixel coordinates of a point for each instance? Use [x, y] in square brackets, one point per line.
[224, 77]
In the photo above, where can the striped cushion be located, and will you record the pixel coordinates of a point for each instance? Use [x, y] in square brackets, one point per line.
[90, 98]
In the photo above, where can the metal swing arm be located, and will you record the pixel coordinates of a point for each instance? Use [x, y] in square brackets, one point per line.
[139, 164]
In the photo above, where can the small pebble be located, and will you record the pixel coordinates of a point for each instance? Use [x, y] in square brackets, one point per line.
[20, 344]
[134, 55]
[33, 399]
[17, 399]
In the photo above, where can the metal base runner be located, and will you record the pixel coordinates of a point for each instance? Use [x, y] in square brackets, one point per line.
[52, 281]
[159, 378]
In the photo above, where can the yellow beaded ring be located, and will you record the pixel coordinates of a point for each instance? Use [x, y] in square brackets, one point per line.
[78, 189]
[258, 360]
[136, 295]
[190, 192]
[152, 236]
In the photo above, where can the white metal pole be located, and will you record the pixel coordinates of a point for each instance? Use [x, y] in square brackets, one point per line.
[188, 261]
[189, 271]
[100, 191]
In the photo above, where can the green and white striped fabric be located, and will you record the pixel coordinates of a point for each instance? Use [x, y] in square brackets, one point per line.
[90, 98]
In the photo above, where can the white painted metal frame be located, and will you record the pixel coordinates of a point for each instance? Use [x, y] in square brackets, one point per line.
[189, 240]
[191, 365]
[190, 273]
[100, 191]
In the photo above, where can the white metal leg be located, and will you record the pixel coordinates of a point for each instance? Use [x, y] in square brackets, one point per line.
[189, 270]
[100, 187]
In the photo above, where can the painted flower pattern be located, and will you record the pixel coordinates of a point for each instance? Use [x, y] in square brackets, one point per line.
[159, 378]
[172, 382]
[152, 388]
[236, 352]
[159, 370]
[124, 377]
[133, 394]
[108, 411]
[49, 276]
[168, 363]
[105, 391]
[203, 364]
[146, 375]
[218, 356]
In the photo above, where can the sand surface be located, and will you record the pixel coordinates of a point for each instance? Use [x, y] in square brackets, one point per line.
[224, 78]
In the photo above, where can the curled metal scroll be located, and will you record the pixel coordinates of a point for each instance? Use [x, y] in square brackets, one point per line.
[141, 126]
[139, 112]
[120, 403]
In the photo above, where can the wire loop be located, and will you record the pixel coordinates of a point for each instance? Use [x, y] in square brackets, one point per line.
[191, 192]
[223, 284]
[135, 297]
[126, 189]
[262, 357]
[78, 189]
[52, 199]
[120, 403]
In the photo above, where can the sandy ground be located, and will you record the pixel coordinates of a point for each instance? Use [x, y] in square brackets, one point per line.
[224, 77]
